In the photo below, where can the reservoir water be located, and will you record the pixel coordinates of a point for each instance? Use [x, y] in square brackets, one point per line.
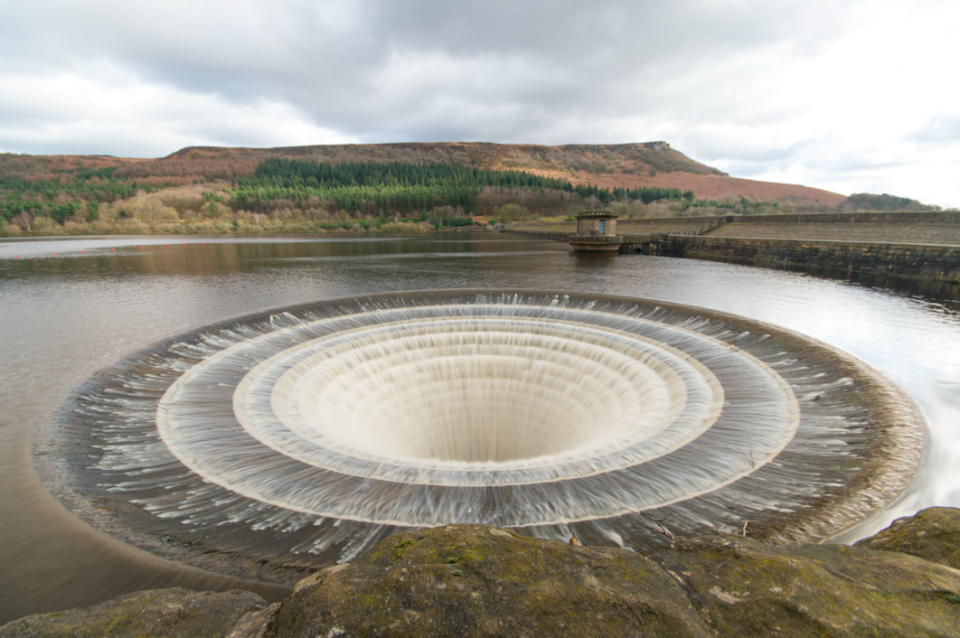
[71, 307]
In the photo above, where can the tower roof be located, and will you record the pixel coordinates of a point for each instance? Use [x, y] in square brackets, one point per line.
[593, 214]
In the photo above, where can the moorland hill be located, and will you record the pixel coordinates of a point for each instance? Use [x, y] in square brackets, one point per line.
[355, 187]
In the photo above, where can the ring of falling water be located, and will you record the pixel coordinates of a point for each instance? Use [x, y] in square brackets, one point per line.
[323, 427]
[475, 400]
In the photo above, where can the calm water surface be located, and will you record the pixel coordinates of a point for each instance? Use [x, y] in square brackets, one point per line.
[69, 307]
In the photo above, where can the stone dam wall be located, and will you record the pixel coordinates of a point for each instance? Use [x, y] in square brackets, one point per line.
[934, 263]
[933, 217]
[920, 247]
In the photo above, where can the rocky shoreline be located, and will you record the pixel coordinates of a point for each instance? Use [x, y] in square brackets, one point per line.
[483, 581]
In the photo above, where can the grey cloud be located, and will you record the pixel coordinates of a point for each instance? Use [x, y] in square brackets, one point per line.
[702, 74]
[815, 158]
[565, 61]
[712, 147]
[939, 130]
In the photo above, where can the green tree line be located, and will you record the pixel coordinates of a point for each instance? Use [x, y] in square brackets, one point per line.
[373, 188]
[62, 197]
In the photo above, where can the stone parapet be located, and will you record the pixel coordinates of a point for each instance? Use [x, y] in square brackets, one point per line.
[935, 263]
[945, 234]
[926, 217]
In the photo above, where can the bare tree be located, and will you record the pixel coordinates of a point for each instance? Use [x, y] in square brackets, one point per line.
[24, 220]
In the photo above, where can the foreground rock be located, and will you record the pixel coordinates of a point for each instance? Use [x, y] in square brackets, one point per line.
[476, 581]
[473, 581]
[745, 588]
[162, 612]
[933, 534]
[480, 581]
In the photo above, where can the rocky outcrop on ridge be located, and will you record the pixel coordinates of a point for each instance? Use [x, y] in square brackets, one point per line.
[483, 581]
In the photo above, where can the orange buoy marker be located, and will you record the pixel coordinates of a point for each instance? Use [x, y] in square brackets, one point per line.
[114, 249]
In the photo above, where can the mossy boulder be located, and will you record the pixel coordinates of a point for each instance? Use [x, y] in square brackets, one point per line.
[743, 588]
[152, 614]
[475, 581]
[480, 581]
[932, 534]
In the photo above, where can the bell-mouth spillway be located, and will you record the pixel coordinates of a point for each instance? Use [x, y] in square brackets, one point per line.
[311, 432]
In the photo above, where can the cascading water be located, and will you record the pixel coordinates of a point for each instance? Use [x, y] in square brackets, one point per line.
[323, 428]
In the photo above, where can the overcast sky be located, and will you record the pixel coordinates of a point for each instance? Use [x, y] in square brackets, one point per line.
[847, 96]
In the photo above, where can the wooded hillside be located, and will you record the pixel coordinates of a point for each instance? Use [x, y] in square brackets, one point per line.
[377, 187]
